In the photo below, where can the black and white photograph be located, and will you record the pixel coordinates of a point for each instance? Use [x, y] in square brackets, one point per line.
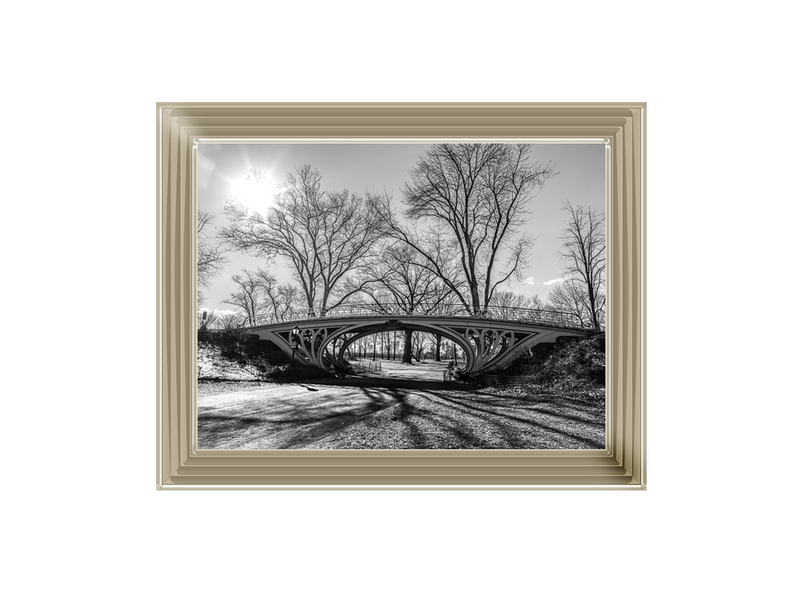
[292, 317]
[417, 295]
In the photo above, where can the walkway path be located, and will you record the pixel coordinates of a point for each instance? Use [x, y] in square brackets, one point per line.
[429, 370]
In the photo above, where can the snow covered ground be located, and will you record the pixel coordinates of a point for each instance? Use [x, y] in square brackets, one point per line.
[211, 365]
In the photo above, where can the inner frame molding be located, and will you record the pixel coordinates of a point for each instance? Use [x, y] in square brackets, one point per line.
[621, 465]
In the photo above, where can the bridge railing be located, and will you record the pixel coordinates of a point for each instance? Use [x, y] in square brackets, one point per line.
[524, 315]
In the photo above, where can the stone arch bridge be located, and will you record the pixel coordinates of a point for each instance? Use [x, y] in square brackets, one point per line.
[489, 340]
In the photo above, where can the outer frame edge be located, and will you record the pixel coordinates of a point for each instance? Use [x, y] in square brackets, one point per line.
[166, 438]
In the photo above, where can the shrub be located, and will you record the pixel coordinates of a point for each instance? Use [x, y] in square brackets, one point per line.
[574, 364]
[577, 363]
[244, 349]
[296, 372]
[277, 358]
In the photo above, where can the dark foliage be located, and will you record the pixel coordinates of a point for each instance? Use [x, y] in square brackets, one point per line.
[571, 364]
[245, 349]
[296, 372]
[263, 356]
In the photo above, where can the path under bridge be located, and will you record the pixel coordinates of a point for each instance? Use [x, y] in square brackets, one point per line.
[489, 340]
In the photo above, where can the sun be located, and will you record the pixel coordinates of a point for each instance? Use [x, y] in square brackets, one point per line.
[255, 189]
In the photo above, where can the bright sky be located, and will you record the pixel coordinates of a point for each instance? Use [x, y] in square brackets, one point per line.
[222, 170]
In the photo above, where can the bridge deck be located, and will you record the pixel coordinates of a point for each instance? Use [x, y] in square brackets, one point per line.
[496, 314]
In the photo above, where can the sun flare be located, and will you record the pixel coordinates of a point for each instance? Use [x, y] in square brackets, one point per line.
[255, 189]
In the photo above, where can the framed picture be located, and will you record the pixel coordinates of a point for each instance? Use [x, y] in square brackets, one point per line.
[401, 296]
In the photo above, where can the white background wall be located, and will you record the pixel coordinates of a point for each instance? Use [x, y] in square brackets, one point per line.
[721, 517]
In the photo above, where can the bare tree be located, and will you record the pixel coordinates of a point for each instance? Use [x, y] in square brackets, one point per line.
[506, 303]
[206, 319]
[405, 285]
[402, 281]
[248, 295]
[210, 256]
[323, 236]
[570, 298]
[480, 195]
[505, 297]
[230, 319]
[584, 256]
[280, 299]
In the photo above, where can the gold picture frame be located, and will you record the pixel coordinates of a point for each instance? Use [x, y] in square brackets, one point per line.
[622, 465]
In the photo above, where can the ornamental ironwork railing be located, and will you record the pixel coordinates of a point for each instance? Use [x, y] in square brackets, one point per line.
[524, 315]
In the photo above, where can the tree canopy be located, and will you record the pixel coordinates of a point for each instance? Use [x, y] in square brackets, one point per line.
[322, 235]
[472, 200]
[584, 256]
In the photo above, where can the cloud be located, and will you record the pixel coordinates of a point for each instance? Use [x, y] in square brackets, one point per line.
[529, 281]
[555, 281]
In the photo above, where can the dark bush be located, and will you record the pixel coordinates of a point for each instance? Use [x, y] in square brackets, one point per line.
[244, 348]
[277, 358]
[572, 364]
[296, 372]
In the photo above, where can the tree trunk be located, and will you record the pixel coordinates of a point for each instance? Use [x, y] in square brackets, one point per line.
[406, 354]
[438, 348]
[593, 306]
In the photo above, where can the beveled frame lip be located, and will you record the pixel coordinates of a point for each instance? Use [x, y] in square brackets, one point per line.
[181, 466]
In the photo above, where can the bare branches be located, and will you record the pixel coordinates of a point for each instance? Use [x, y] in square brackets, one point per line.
[259, 292]
[403, 280]
[569, 297]
[206, 319]
[465, 204]
[210, 256]
[584, 256]
[405, 284]
[248, 295]
[203, 218]
[280, 300]
[229, 319]
[480, 194]
[507, 303]
[323, 236]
